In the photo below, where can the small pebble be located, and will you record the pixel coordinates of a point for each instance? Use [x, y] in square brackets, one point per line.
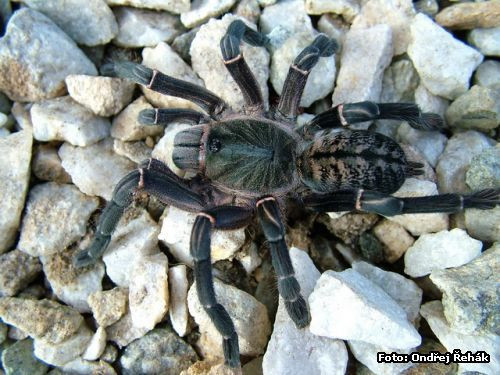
[96, 345]
[395, 238]
[18, 359]
[178, 311]
[203, 10]
[17, 270]
[108, 306]
[488, 74]
[470, 15]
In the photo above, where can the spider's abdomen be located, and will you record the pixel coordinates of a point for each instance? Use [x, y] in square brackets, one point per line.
[249, 155]
[351, 160]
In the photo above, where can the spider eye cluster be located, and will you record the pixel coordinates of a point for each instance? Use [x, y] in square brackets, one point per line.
[215, 145]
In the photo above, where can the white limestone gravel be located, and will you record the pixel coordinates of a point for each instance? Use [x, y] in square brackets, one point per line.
[178, 288]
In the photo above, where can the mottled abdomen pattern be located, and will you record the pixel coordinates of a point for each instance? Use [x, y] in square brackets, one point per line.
[353, 159]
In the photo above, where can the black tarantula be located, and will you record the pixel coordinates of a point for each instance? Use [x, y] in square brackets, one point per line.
[251, 162]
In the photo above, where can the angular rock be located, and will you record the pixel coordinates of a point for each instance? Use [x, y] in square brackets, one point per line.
[65, 351]
[367, 354]
[470, 15]
[72, 285]
[158, 352]
[63, 119]
[320, 81]
[203, 10]
[110, 353]
[439, 251]
[178, 286]
[333, 26]
[14, 174]
[173, 6]
[41, 319]
[145, 28]
[456, 158]
[123, 332]
[82, 367]
[47, 166]
[176, 232]
[478, 108]
[164, 59]
[249, 258]
[397, 14]
[395, 238]
[248, 315]
[444, 64]
[487, 41]
[17, 270]
[418, 224]
[148, 290]
[483, 224]
[402, 290]
[206, 59]
[488, 74]
[348, 9]
[96, 345]
[348, 227]
[248, 9]
[35, 47]
[95, 169]
[126, 126]
[135, 151]
[18, 359]
[289, 16]
[399, 82]
[135, 237]
[299, 349]
[361, 310]
[90, 25]
[55, 217]
[433, 313]
[430, 143]
[428, 102]
[105, 96]
[470, 294]
[365, 55]
[108, 306]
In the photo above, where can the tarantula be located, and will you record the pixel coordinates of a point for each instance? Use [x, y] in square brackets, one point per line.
[249, 163]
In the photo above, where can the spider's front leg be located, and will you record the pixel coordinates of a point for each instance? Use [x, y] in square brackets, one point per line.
[154, 178]
[387, 205]
[223, 217]
[288, 287]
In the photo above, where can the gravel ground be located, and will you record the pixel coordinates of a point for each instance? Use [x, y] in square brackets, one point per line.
[407, 284]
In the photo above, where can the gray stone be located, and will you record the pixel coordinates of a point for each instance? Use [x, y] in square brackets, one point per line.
[439, 251]
[291, 16]
[108, 306]
[248, 315]
[14, 174]
[178, 311]
[488, 74]
[248, 9]
[173, 6]
[430, 143]
[105, 96]
[478, 108]
[126, 126]
[17, 270]
[399, 82]
[135, 151]
[63, 119]
[483, 224]
[207, 61]
[80, 366]
[65, 351]
[470, 15]
[41, 319]
[484, 169]
[487, 41]
[18, 359]
[445, 65]
[145, 28]
[55, 217]
[418, 224]
[110, 353]
[433, 313]
[360, 310]
[299, 349]
[182, 44]
[96, 345]
[158, 352]
[395, 238]
[470, 294]
[202, 10]
[135, 237]
[88, 22]
[95, 169]
[72, 285]
[320, 81]
[428, 7]
[367, 354]
[47, 165]
[36, 56]
[397, 14]
[455, 160]
[334, 27]
[348, 9]
[428, 102]
[123, 332]
[365, 55]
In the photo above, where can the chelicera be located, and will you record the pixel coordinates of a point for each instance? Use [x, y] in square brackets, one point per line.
[249, 163]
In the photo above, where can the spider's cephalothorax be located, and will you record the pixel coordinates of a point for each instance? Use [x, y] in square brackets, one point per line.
[247, 163]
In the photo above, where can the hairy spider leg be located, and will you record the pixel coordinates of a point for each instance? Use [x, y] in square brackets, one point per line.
[164, 84]
[351, 113]
[155, 179]
[288, 287]
[296, 79]
[165, 116]
[387, 205]
[222, 217]
[236, 64]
